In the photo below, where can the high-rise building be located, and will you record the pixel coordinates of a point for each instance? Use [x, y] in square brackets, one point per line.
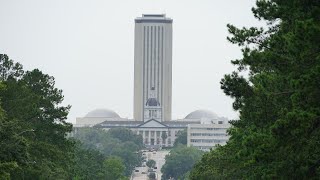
[153, 67]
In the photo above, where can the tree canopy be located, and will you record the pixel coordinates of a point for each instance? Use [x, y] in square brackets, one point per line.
[151, 163]
[33, 124]
[277, 135]
[119, 142]
[180, 160]
[181, 139]
[34, 141]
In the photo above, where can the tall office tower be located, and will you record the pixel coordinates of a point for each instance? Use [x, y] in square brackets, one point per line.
[153, 67]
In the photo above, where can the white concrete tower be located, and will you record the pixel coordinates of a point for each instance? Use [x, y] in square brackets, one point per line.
[153, 65]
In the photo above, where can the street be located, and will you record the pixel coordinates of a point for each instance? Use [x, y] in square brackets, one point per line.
[142, 172]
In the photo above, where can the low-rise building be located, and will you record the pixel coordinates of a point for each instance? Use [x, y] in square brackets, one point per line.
[207, 136]
[154, 133]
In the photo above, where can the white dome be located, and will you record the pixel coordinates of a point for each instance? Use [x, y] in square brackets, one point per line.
[105, 113]
[200, 114]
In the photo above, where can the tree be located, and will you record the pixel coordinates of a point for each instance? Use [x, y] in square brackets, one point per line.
[118, 142]
[180, 161]
[152, 175]
[87, 163]
[151, 163]
[124, 134]
[164, 136]
[13, 151]
[181, 139]
[114, 168]
[277, 135]
[31, 101]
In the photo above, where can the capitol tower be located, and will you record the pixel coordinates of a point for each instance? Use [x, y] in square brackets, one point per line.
[153, 68]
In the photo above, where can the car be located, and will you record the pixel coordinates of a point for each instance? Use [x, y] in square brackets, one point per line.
[143, 172]
[136, 170]
[155, 167]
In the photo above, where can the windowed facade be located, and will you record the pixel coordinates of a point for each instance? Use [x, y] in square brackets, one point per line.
[206, 136]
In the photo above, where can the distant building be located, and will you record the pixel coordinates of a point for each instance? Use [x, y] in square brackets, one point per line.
[153, 132]
[97, 116]
[207, 136]
[152, 90]
[153, 68]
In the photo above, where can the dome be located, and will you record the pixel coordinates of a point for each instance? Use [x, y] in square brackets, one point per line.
[199, 114]
[105, 113]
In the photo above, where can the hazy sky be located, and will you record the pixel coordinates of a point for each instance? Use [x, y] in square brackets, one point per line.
[87, 45]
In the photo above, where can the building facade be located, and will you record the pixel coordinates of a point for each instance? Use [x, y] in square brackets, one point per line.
[152, 68]
[207, 136]
[155, 134]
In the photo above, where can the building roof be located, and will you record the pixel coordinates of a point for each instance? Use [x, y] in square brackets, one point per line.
[200, 114]
[105, 113]
[107, 124]
[153, 18]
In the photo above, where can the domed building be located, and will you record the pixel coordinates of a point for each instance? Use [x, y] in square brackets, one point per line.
[200, 114]
[205, 117]
[98, 116]
[205, 128]
[104, 113]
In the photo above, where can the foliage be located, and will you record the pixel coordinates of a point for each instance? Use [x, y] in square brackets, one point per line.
[180, 161]
[152, 176]
[114, 168]
[124, 135]
[36, 128]
[118, 142]
[151, 163]
[277, 135]
[88, 163]
[164, 136]
[181, 139]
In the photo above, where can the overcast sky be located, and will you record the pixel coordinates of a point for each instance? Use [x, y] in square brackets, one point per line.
[87, 45]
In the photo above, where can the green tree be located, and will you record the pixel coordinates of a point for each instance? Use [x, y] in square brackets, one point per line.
[152, 176]
[31, 101]
[116, 142]
[151, 163]
[114, 168]
[124, 134]
[87, 163]
[164, 136]
[277, 135]
[182, 138]
[180, 161]
[13, 151]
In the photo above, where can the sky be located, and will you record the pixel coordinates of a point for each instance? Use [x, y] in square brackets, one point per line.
[88, 46]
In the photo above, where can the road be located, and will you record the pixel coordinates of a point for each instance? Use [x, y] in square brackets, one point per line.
[159, 157]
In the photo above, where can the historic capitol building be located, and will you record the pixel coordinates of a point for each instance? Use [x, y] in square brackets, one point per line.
[153, 95]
